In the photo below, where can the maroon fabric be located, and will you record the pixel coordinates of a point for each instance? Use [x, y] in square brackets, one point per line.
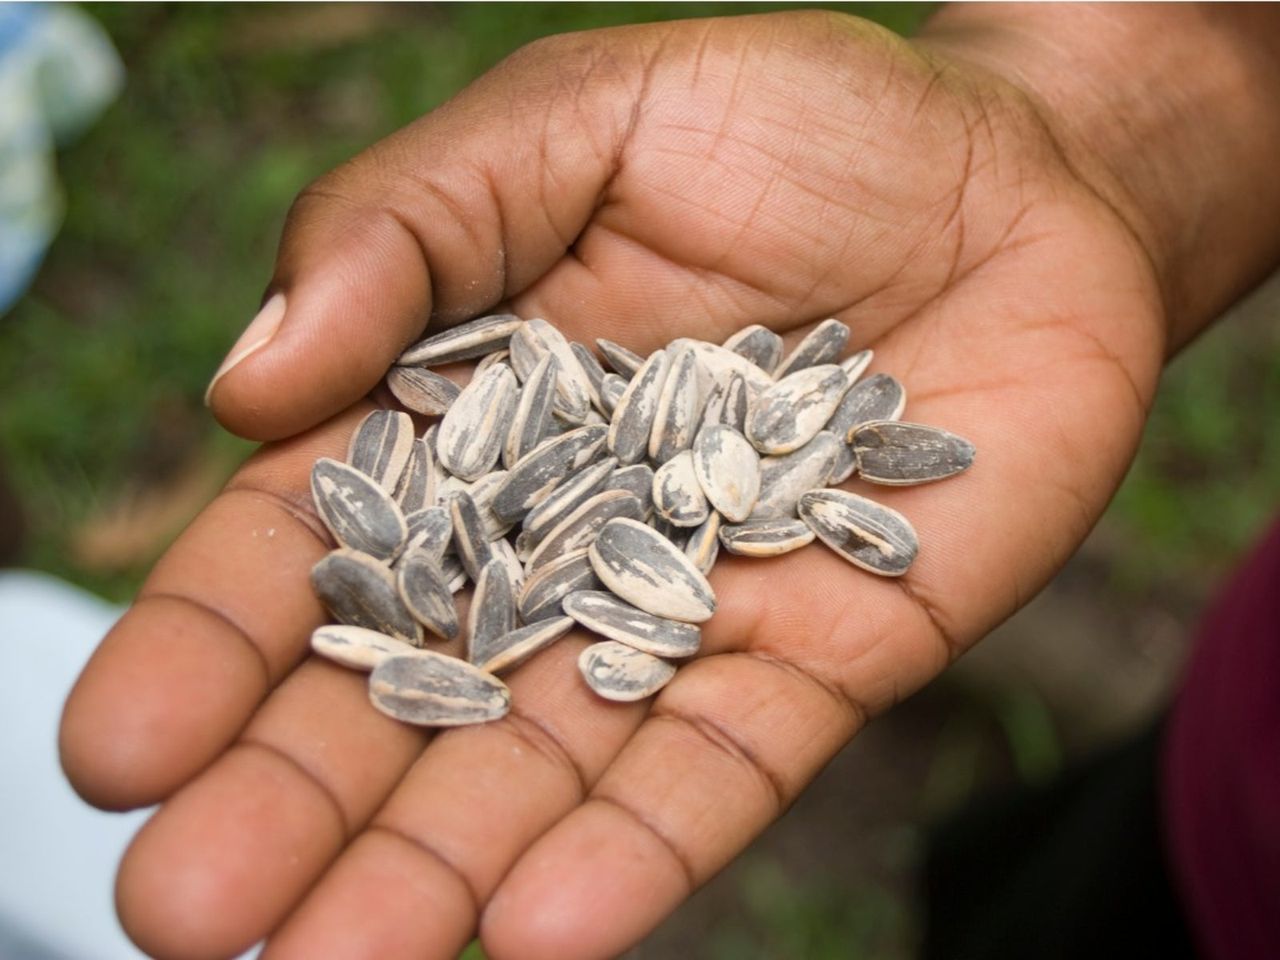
[1221, 775]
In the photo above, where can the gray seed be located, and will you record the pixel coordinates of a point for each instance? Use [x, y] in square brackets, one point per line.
[361, 592]
[766, 538]
[720, 363]
[758, 344]
[474, 338]
[879, 397]
[677, 495]
[493, 608]
[423, 587]
[621, 360]
[728, 469]
[526, 350]
[573, 388]
[703, 545]
[503, 551]
[823, 345]
[430, 531]
[577, 530]
[727, 403]
[422, 390]
[413, 491]
[612, 387]
[618, 672]
[648, 571]
[867, 534]
[469, 536]
[381, 445]
[489, 359]
[901, 453]
[788, 415]
[783, 479]
[566, 498]
[546, 587]
[516, 647]
[591, 369]
[482, 492]
[471, 433]
[358, 512]
[436, 473]
[843, 466]
[856, 364]
[679, 406]
[610, 617]
[356, 647]
[637, 480]
[633, 416]
[532, 479]
[432, 690]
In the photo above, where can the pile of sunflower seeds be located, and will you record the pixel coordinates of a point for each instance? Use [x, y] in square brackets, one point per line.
[568, 493]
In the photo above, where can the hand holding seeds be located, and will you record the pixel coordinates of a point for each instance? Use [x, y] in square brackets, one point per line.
[686, 454]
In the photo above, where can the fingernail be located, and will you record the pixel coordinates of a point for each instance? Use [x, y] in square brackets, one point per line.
[256, 336]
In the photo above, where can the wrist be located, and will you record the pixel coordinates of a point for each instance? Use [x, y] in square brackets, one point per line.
[1166, 114]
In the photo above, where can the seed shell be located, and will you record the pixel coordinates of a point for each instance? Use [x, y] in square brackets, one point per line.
[474, 338]
[867, 534]
[893, 452]
[622, 361]
[647, 570]
[489, 359]
[519, 645]
[472, 432]
[577, 530]
[381, 445]
[413, 490]
[532, 412]
[679, 405]
[616, 671]
[546, 587]
[633, 417]
[503, 551]
[856, 364]
[483, 492]
[727, 403]
[566, 498]
[592, 370]
[719, 363]
[784, 479]
[612, 387]
[610, 617]
[788, 415]
[822, 345]
[677, 495]
[637, 480]
[361, 592]
[728, 469]
[469, 537]
[422, 585]
[703, 545]
[356, 647]
[758, 344]
[421, 390]
[766, 538]
[533, 478]
[433, 690]
[879, 397]
[359, 513]
[430, 531]
[573, 388]
[493, 607]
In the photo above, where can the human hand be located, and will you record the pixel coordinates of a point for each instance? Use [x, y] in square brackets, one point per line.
[637, 184]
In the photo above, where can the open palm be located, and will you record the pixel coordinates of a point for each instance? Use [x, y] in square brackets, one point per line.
[637, 184]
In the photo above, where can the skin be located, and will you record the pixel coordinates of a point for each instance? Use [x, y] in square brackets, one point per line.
[967, 203]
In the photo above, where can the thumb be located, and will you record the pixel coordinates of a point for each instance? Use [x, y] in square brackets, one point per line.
[445, 218]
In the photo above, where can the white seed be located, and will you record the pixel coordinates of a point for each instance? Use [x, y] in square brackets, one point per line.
[381, 445]
[474, 338]
[728, 469]
[472, 432]
[616, 671]
[356, 647]
[358, 512]
[647, 570]
[677, 495]
[610, 617]
[788, 415]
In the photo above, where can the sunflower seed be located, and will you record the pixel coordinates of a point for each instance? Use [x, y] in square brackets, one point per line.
[493, 608]
[703, 545]
[358, 512]
[677, 536]
[892, 452]
[448, 487]
[621, 360]
[879, 397]
[547, 586]
[489, 359]
[677, 495]
[728, 468]
[503, 551]
[421, 390]
[822, 345]
[474, 338]
[516, 647]
[856, 364]
[532, 479]
[637, 480]
[612, 387]
[567, 497]
[633, 416]
[413, 491]
[436, 473]
[381, 445]
[471, 433]
[469, 536]
[679, 406]
[579, 528]
[727, 403]
[430, 531]
[526, 351]
[865, 533]
[423, 587]
[482, 492]
[361, 592]
[432, 690]
[573, 390]
[758, 344]
[719, 363]
[766, 538]
[843, 466]
[783, 479]
[618, 672]
[647, 570]
[788, 415]
[610, 617]
[356, 647]
[591, 369]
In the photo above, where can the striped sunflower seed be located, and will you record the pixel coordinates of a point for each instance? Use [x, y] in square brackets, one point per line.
[893, 452]
[577, 530]
[503, 551]
[592, 370]
[424, 589]
[455, 574]
[679, 406]
[728, 469]
[381, 445]
[783, 479]
[610, 617]
[469, 536]
[766, 538]
[356, 647]
[483, 492]
[471, 433]
[719, 363]
[856, 364]
[616, 671]
[867, 534]
[489, 359]
[533, 478]
[432, 690]
[677, 495]
[359, 513]
[758, 344]
[430, 531]
[703, 545]
[493, 608]
[647, 570]
[612, 387]
[622, 361]
[788, 415]
[727, 403]
[566, 498]
[413, 490]
[637, 480]
[361, 592]
[513, 649]
[633, 417]
[545, 588]
[879, 397]
[474, 338]
[822, 345]
[573, 388]
[421, 390]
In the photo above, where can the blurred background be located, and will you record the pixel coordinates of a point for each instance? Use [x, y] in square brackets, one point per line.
[172, 202]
